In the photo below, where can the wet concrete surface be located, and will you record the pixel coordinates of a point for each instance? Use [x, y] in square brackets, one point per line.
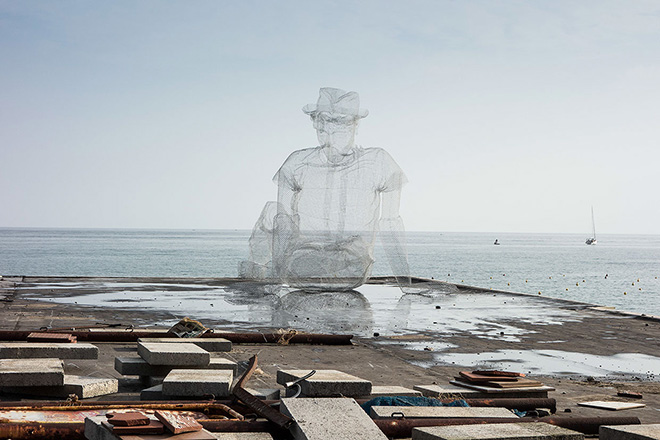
[401, 339]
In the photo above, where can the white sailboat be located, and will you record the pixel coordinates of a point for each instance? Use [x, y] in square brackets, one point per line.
[592, 239]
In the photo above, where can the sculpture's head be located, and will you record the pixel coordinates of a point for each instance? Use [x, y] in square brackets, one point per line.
[336, 115]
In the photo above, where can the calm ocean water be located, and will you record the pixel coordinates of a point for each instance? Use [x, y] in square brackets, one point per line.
[557, 265]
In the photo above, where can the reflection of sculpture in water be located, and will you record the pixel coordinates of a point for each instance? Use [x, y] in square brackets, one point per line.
[332, 202]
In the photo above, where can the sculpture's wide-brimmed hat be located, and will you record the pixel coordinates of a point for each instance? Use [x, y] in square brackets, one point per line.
[337, 101]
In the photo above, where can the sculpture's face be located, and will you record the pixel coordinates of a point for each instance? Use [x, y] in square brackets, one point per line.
[335, 130]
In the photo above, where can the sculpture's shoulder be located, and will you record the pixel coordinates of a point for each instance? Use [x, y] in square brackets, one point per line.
[304, 155]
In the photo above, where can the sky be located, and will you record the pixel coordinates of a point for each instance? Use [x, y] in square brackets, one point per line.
[506, 116]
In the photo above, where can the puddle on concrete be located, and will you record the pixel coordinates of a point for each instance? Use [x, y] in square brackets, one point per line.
[554, 362]
[371, 308]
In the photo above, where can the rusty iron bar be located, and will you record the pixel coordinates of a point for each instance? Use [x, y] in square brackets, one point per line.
[255, 404]
[42, 431]
[237, 338]
[522, 404]
[402, 427]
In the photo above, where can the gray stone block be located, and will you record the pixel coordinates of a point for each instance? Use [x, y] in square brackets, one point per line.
[448, 391]
[326, 383]
[94, 430]
[496, 431]
[198, 383]
[178, 354]
[392, 390]
[28, 350]
[243, 436]
[153, 393]
[330, 418]
[82, 386]
[136, 366]
[208, 344]
[31, 372]
[439, 412]
[265, 393]
[629, 432]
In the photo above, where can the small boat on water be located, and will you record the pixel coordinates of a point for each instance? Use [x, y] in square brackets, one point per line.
[496, 242]
[592, 240]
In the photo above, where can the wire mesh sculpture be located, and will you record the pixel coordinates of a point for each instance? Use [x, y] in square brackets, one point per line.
[333, 201]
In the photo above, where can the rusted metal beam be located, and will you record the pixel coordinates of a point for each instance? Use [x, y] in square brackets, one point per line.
[255, 404]
[402, 428]
[238, 338]
[42, 431]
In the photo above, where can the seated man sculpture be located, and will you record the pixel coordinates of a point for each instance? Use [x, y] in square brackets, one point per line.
[333, 200]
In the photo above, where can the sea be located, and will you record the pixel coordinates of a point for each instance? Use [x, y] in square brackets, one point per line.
[621, 271]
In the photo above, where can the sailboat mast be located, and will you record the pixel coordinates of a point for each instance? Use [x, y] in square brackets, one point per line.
[593, 223]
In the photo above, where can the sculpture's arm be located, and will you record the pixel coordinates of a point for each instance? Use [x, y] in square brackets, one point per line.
[392, 237]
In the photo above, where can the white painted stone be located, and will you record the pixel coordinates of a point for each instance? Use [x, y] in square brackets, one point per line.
[28, 350]
[496, 431]
[439, 412]
[178, 354]
[327, 383]
[630, 432]
[198, 383]
[330, 418]
[208, 344]
[31, 372]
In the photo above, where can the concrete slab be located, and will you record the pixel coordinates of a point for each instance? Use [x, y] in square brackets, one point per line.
[393, 390]
[629, 432]
[439, 412]
[612, 406]
[265, 393]
[178, 354]
[208, 344]
[31, 372]
[94, 430]
[327, 383]
[82, 386]
[330, 418]
[153, 393]
[496, 431]
[28, 350]
[198, 383]
[448, 391]
[242, 436]
[136, 366]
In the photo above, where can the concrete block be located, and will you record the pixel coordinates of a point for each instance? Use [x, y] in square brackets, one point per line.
[265, 393]
[153, 393]
[178, 354]
[439, 412]
[448, 391]
[392, 390]
[31, 372]
[198, 383]
[629, 432]
[82, 386]
[28, 350]
[136, 366]
[151, 381]
[208, 344]
[330, 418]
[243, 436]
[94, 430]
[326, 383]
[496, 431]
